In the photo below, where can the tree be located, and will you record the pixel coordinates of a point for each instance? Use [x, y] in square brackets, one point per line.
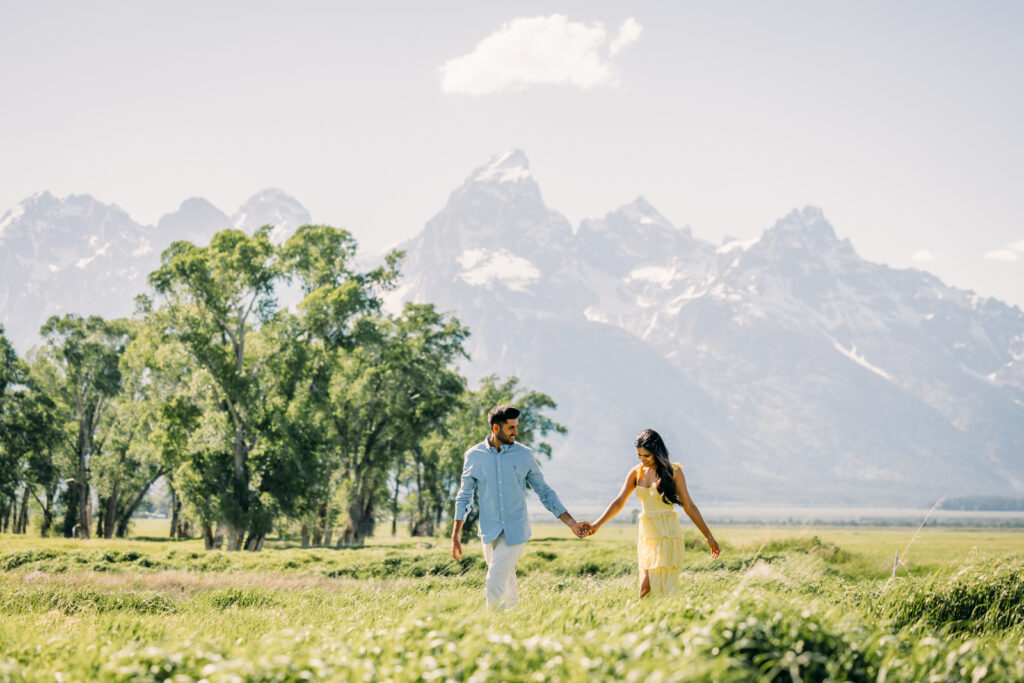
[12, 375]
[135, 453]
[77, 367]
[30, 437]
[254, 361]
[330, 323]
[383, 395]
[439, 460]
[215, 298]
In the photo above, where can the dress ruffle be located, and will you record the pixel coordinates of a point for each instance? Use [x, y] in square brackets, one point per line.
[660, 543]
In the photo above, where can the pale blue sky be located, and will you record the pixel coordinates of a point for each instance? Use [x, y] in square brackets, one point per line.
[900, 120]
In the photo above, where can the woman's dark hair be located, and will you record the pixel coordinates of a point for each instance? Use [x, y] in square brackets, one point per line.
[652, 442]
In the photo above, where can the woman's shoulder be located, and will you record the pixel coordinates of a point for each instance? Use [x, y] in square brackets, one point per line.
[677, 467]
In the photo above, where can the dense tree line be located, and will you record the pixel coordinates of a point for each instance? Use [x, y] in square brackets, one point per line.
[327, 417]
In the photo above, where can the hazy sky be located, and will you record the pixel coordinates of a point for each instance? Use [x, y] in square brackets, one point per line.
[901, 120]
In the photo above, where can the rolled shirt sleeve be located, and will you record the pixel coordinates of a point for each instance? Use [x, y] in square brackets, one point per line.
[465, 495]
[548, 498]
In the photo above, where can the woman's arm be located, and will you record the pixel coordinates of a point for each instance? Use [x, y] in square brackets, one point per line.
[616, 505]
[693, 513]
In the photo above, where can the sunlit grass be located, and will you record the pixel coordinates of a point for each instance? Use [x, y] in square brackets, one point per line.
[780, 604]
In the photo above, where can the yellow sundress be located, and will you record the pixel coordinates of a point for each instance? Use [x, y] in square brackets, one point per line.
[659, 544]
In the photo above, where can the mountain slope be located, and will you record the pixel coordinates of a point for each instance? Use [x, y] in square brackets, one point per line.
[782, 369]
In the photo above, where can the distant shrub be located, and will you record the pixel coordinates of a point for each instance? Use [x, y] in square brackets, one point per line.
[14, 559]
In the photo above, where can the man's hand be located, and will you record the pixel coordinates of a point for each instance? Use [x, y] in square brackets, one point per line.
[457, 548]
[584, 529]
[456, 543]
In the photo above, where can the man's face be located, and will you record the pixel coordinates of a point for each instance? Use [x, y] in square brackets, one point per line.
[507, 431]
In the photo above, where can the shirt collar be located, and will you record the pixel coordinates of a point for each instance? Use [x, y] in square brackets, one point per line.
[490, 449]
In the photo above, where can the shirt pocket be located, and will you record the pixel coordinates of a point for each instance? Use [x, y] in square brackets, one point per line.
[520, 472]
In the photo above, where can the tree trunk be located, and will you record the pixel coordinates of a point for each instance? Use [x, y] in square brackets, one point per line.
[23, 517]
[175, 510]
[83, 506]
[207, 537]
[304, 534]
[44, 529]
[111, 514]
[126, 518]
[360, 523]
[100, 517]
[394, 510]
[71, 498]
[254, 543]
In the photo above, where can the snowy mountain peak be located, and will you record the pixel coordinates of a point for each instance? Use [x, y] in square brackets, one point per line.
[807, 221]
[271, 207]
[641, 211]
[507, 167]
[804, 230]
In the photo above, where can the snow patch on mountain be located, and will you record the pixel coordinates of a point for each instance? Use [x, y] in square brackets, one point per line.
[659, 275]
[742, 245]
[852, 354]
[11, 216]
[508, 167]
[481, 267]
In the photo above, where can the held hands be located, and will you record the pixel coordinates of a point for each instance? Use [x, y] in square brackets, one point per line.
[584, 529]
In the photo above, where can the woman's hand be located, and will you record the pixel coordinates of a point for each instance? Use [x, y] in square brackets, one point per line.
[714, 546]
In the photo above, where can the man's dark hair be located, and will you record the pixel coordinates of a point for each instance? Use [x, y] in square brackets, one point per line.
[501, 414]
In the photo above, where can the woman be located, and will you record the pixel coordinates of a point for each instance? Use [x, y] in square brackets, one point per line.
[659, 485]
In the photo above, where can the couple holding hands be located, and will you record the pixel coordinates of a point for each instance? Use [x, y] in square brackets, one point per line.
[498, 469]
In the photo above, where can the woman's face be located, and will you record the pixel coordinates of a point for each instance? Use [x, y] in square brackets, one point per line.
[646, 457]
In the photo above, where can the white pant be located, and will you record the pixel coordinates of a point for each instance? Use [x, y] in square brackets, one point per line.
[501, 572]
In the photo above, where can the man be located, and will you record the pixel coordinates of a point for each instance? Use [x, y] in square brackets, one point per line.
[498, 468]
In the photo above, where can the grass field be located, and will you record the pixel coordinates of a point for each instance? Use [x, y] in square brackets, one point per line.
[779, 604]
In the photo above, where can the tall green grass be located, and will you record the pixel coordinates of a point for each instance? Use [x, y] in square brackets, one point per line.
[785, 608]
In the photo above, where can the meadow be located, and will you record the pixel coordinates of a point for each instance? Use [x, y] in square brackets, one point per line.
[781, 603]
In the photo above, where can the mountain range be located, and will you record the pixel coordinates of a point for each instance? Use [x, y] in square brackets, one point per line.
[781, 369]
[78, 255]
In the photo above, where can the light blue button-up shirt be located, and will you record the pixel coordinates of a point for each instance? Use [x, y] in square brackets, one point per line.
[499, 477]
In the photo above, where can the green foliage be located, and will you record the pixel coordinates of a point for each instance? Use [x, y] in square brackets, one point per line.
[974, 599]
[78, 368]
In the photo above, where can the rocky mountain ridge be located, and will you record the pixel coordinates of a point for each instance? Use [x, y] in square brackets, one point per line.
[781, 369]
[79, 255]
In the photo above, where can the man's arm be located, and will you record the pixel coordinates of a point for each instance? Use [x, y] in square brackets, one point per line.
[462, 500]
[550, 500]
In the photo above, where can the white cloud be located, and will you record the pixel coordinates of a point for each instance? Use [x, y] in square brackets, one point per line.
[539, 51]
[924, 255]
[628, 34]
[1008, 255]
